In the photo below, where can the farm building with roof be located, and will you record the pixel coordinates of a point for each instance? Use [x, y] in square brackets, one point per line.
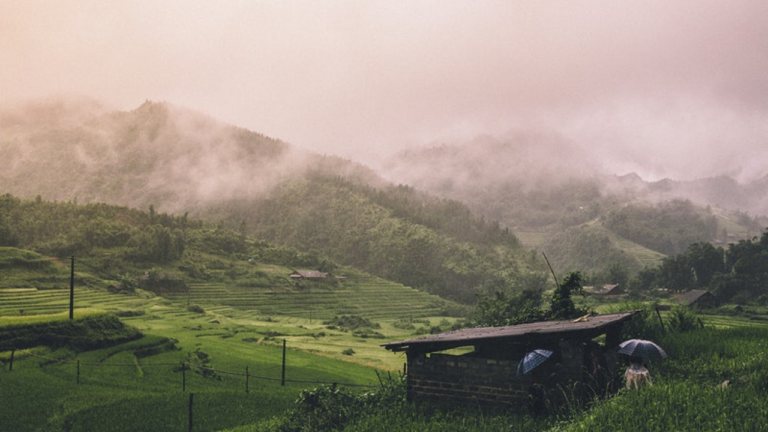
[697, 298]
[308, 274]
[604, 290]
[481, 370]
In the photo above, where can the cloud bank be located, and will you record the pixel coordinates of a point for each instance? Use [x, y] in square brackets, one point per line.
[667, 89]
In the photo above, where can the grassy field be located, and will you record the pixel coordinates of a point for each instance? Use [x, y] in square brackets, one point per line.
[236, 330]
[139, 386]
[65, 390]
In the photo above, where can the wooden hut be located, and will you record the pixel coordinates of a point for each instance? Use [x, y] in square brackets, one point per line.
[697, 298]
[481, 368]
[308, 275]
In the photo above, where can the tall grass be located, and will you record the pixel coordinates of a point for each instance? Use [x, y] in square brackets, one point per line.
[22, 320]
[677, 405]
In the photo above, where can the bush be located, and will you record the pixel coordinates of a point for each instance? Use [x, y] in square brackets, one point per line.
[350, 323]
[196, 309]
[682, 319]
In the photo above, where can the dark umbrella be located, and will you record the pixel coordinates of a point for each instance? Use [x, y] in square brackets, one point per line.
[642, 348]
[531, 360]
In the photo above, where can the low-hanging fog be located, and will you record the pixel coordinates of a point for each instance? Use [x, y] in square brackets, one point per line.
[665, 89]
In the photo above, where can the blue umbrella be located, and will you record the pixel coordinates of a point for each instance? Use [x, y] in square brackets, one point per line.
[642, 348]
[531, 360]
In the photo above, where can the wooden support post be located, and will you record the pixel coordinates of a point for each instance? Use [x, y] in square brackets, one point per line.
[78, 372]
[282, 375]
[191, 401]
[72, 290]
[10, 367]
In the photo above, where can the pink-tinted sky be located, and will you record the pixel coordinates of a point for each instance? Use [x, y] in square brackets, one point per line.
[667, 88]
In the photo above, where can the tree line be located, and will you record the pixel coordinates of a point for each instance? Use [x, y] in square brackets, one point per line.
[398, 234]
[737, 273]
[124, 239]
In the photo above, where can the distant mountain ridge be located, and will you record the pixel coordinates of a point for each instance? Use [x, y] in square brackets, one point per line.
[463, 199]
[156, 154]
[528, 161]
[560, 200]
[178, 161]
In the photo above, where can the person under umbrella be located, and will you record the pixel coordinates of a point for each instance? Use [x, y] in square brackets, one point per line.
[642, 348]
[637, 374]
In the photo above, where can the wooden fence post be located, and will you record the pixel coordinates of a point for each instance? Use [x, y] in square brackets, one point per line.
[10, 367]
[246, 380]
[191, 400]
[72, 290]
[183, 378]
[78, 372]
[282, 375]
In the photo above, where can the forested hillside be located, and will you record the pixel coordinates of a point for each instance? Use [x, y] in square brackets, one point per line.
[399, 234]
[131, 247]
[494, 195]
[185, 163]
[563, 202]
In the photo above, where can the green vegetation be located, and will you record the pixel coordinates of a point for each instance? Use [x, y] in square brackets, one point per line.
[710, 374]
[503, 310]
[738, 274]
[667, 228]
[395, 233]
[216, 345]
[89, 331]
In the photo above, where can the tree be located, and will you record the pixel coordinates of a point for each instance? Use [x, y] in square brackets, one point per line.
[502, 309]
[705, 260]
[561, 305]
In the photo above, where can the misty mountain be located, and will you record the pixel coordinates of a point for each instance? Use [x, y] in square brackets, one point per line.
[491, 171]
[559, 198]
[534, 188]
[183, 162]
[158, 154]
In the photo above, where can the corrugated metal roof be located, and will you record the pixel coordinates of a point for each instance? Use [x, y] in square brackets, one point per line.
[521, 331]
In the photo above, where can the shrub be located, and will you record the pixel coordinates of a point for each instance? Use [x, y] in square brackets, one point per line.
[350, 323]
[196, 309]
[682, 319]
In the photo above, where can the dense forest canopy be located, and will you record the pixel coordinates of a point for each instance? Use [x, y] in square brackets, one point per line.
[737, 273]
[397, 233]
[121, 244]
[482, 257]
[667, 228]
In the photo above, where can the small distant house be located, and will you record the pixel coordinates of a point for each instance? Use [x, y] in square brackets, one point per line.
[482, 372]
[308, 275]
[604, 290]
[697, 298]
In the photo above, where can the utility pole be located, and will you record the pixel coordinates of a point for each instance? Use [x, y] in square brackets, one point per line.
[282, 374]
[72, 290]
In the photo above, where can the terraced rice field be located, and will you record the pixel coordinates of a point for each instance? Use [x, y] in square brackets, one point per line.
[33, 301]
[373, 299]
[370, 299]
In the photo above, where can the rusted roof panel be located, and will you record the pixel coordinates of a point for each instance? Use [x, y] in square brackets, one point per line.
[472, 336]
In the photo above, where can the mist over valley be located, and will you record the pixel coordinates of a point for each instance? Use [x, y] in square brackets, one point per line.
[548, 193]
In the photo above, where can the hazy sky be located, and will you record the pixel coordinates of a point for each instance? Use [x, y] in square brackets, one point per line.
[668, 88]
